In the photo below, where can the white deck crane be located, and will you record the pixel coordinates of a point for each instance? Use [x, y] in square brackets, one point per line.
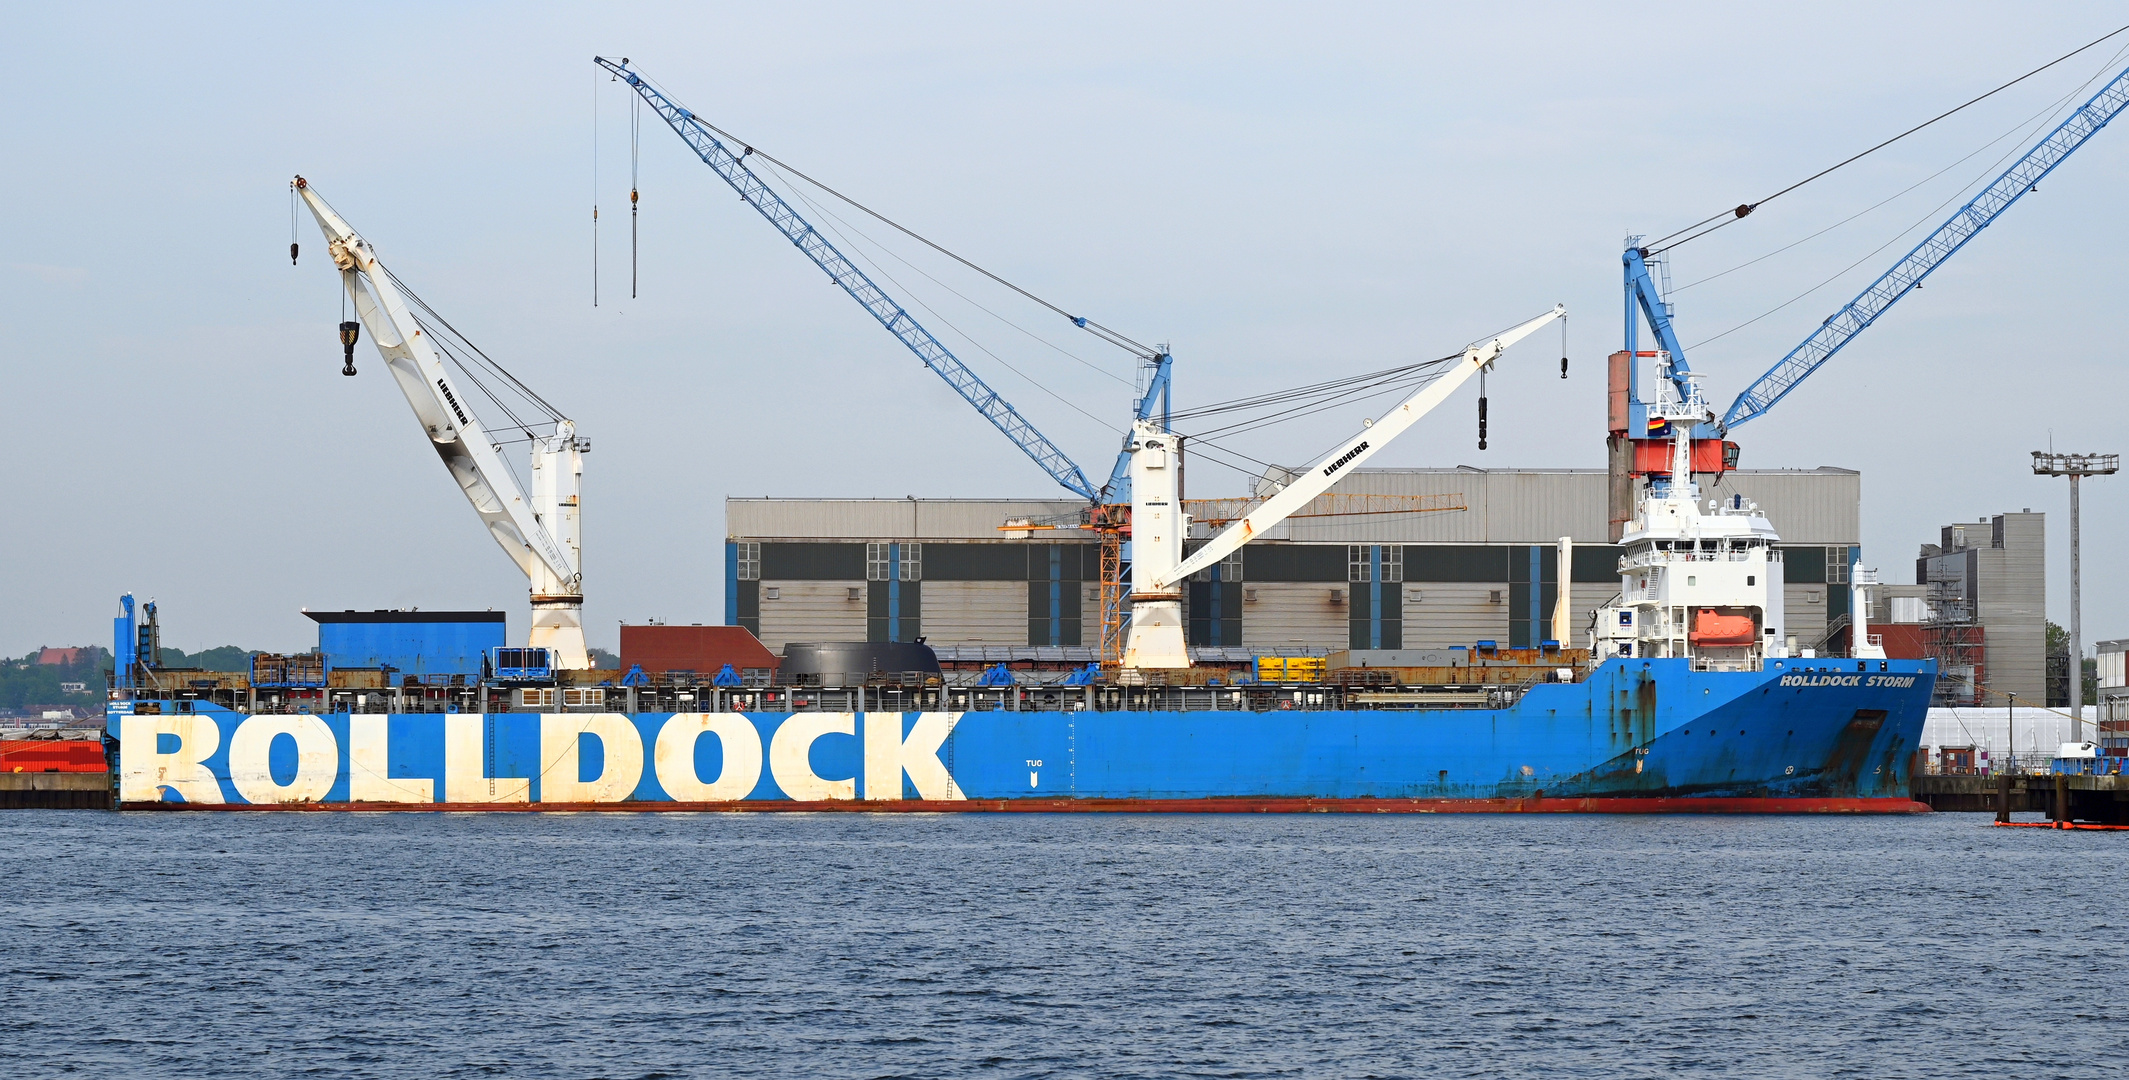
[539, 533]
[1158, 523]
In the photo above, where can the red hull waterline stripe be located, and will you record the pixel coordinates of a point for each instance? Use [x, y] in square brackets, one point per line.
[1231, 805]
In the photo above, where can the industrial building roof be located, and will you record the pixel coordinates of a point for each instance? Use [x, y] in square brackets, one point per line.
[385, 616]
[1506, 506]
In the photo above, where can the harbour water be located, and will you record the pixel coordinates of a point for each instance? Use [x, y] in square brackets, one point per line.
[620, 945]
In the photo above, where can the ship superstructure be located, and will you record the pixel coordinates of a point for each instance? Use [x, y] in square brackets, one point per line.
[1698, 581]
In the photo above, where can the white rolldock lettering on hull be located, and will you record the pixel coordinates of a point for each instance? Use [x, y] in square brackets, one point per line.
[467, 758]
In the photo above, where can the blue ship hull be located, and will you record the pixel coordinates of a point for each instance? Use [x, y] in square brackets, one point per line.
[1636, 735]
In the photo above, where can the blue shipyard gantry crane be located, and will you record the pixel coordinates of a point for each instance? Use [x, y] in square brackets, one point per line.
[1641, 410]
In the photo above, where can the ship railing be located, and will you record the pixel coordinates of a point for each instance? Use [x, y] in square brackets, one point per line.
[1995, 764]
[1664, 558]
[1227, 697]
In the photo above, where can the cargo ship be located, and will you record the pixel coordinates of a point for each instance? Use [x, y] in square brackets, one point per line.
[1689, 697]
[1688, 694]
[1655, 735]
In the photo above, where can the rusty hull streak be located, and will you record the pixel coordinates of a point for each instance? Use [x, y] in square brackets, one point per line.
[1536, 805]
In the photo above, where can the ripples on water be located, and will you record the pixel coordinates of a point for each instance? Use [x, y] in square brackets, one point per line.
[1035, 945]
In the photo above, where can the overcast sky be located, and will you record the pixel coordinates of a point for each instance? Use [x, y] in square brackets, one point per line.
[1283, 194]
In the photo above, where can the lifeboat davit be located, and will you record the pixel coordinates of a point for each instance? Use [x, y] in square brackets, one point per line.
[1711, 628]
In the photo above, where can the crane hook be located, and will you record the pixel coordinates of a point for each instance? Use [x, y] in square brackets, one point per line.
[349, 333]
[1482, 409]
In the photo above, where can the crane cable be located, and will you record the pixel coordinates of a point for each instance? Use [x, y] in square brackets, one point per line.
[1725, 217]
[451, 333]
[825, 214]
[1331, 394]
[828, 214]
[1081, 321]
[1400, 381]
[635, 138]
[1316, 397]
[595, 191]
[1977, 151]
[2037, 120]
[1309, 400]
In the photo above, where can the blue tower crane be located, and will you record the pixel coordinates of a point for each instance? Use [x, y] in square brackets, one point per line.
[1906, 275]
[1636, 443]
[733, 170]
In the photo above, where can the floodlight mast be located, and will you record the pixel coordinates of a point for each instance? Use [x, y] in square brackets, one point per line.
[2076, 467]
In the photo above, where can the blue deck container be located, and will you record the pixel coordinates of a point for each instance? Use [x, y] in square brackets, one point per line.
[424, 643]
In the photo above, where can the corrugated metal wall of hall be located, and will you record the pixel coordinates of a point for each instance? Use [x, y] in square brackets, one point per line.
[798, 569]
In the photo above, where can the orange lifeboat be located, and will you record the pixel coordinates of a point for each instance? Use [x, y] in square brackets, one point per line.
[1710, 628]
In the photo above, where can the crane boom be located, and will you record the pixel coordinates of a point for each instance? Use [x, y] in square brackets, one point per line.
[1319, 478]
[1229, 511]
[1907, 274]
[1118, 489]
[1159, 521]
[520, 524]
[733, 170]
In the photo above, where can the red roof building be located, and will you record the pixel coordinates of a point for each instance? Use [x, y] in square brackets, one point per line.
[701, 649]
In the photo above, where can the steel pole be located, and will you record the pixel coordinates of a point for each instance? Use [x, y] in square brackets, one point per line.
[2077, 641]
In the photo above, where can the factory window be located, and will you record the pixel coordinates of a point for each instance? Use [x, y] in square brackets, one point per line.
[749, 560]
[876, 562]
[1230, 569]
[1836, 566]
[1393, 563]
[1356, 562]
